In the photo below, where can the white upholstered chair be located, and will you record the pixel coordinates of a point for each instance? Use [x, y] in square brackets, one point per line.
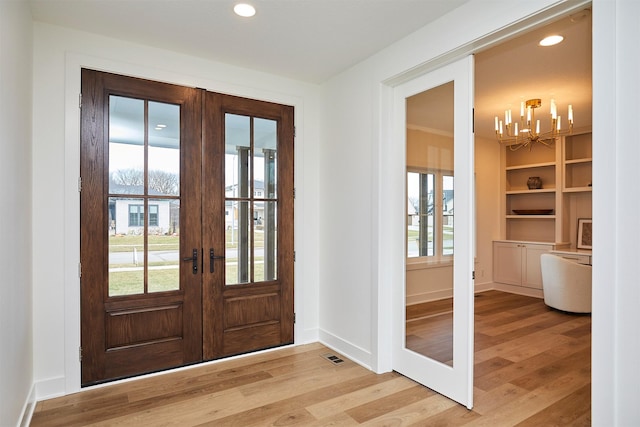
[566, 284]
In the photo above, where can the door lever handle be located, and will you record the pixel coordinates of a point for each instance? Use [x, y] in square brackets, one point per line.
[213, 257]
[193, 258]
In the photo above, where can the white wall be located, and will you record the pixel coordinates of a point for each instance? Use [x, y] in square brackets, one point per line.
[16, 355]
[616, 293]
[58, 56]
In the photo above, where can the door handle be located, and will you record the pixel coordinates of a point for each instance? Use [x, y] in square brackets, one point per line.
[194, 259]
[213, 257]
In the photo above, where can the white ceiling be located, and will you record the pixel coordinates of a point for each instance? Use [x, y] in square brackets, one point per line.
[307, 40]
[313, 40]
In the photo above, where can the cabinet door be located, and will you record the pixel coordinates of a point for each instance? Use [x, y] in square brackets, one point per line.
[532, 275]
[507, 263]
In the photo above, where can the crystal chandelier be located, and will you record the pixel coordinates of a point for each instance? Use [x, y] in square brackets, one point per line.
[524, 134]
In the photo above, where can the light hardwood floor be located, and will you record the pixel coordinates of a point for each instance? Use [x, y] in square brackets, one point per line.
[532, 368]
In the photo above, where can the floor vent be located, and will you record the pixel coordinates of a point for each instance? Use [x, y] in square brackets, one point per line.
[333, 358]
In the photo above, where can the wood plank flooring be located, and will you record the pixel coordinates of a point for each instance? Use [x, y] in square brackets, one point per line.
[532, 368]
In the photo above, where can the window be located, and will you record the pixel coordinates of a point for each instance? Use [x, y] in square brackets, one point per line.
[136, 215]
[429, 214]
[153, 215]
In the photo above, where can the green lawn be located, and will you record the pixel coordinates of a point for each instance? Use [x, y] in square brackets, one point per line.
[132, 282]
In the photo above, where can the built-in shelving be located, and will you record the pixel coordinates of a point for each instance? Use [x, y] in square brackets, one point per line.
[577, 163]
[565, 171]
[518, 166]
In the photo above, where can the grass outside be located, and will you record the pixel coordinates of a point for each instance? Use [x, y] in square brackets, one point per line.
[132, 282]
[124, 281]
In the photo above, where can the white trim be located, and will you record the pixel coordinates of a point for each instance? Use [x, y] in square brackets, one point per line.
[50, 388]
[74, 62]
[424, 263]
[483, 287]
[429, 296]
[27, 409]
[351, 351]
[519, 290]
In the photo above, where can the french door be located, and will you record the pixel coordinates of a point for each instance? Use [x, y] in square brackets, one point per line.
[186, 226]
[446, 95]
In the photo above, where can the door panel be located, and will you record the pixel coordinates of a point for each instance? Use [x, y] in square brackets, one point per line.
[248, 189]
[140, 307]
[452, 378]
[185, 194]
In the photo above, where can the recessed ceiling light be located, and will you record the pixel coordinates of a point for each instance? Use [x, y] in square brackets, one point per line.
[244, 10]
[551, 40]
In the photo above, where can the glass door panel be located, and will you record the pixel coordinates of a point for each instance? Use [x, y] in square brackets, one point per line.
[237, 261]
[126, 246]
[265, 241]
[163, 242]
[250, 199]
[144, 230]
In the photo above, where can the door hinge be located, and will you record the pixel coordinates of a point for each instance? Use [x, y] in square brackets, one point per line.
[294, 256]
[80, 354]
[80, 101]
[80, 270]
[294, 193]
[294, 131]
[79, 184]
[473, 275]
[294, 318]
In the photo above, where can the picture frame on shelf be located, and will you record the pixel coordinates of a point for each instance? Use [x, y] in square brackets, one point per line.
[584, 233]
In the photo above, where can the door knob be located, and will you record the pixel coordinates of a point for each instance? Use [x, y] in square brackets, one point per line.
[194, 259]
[213, 257]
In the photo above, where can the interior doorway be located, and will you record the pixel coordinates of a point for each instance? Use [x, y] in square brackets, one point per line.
[186, 226]
[569, 78]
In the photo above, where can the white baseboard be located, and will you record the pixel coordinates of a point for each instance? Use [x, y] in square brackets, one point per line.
[429, 296]
[486, 286]
[28, 408]
[354, 353]
[306, 336]
[520, 290]
[50, 388]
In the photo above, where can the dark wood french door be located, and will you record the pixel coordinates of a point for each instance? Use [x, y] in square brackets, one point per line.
[186, 226]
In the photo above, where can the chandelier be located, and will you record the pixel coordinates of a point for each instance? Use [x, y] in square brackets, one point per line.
[524, 134]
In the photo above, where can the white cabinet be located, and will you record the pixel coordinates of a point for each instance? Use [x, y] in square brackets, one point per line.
[518, 263]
